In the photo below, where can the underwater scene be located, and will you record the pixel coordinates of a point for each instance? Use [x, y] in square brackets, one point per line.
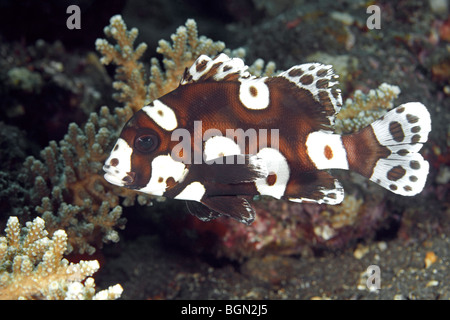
[225, 150]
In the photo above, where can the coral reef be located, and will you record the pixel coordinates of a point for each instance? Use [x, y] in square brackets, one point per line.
[24, 79]
[280, 227]
[344, 65]
[186, 48]
[65, 186]
[68, 189]
[364, 109]
[32, 266]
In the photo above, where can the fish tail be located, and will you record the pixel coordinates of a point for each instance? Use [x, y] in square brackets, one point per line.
[386, 151]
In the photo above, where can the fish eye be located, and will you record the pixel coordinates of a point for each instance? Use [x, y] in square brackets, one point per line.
[146, 143]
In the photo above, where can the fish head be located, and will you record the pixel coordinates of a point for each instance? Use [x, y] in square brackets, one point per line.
[141, 158]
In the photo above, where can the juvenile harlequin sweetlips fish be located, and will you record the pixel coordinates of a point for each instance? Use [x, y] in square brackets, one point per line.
[224, 135]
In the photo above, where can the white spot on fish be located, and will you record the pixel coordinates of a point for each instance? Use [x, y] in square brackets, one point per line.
[254, 93]
[163, 115]
[219, 146]
[164, 167]
[118, 163]
[193, 191]
[276, 166]
[326, 151]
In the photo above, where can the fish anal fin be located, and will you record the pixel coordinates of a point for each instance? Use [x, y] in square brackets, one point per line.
[234, 207]
[319, 187]
[201, 211]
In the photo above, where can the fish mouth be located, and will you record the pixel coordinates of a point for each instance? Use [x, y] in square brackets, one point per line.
[113, 179]
[129, 179]
[118, 178]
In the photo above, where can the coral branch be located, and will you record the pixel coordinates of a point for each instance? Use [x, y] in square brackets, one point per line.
[68, 188]
[134, 91]
[130, 74]
[362, 110]
[32, 266]
[186, 48]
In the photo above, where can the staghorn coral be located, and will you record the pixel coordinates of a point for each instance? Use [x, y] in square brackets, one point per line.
[130, 74]
[260, 69]
[186, 48]
[32, 266]
[363, 109]
[67, 187]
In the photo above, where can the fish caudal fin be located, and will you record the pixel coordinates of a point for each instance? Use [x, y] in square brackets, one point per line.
[386, 151]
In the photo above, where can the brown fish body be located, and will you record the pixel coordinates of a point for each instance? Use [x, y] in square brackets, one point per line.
[223, 135]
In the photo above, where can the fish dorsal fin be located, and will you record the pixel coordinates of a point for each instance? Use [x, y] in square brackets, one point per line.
[321, 81]
[221, 68]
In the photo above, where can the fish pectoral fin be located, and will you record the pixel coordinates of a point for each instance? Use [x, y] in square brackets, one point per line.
[234, 207]
[201, 211]
[235, 169]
